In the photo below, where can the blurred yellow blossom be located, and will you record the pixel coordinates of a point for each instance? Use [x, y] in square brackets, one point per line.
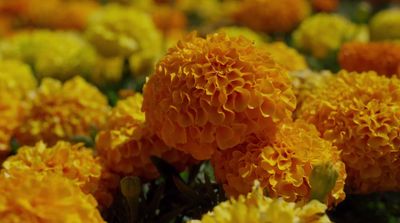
[385, 25]
[237, 31]
[287, 57]
[16, 77]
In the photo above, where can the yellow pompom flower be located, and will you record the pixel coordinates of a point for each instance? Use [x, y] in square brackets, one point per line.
[237, 31]
[28, 196]
[360, 114]
[107, 70]
[60, 55]
[272, 16]
[125, 145]
[256, 208]
[209, 94]
[63, 111]
[287, 57]
[125, 31]
[385, 25]
[322, 34]
[208, 11]
[17, 77]
[74, 162]
[283, 166]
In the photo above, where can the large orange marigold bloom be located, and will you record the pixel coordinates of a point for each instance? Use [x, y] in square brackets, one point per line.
[71, 161]
[28, 196]
[382, 57]
[283, 167]
[360, 114]
[271, 15]
[126, 145]
[211, 93]
[63, 111]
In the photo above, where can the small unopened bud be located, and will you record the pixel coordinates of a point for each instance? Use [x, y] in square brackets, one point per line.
[323, 179]
[131, 187]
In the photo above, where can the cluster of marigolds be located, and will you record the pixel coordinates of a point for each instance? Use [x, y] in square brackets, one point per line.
[252, 106]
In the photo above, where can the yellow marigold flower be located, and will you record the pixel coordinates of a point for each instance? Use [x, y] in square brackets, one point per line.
[17, 77]
[208, 11]
[322, 34]
[385, 25]
[28, 196]
[382, 57]
[283, 166]
[126, 145]
[71, 161]
[256, 208]
[212, 93]
[107, 70]
[287, 57]
[48, 58]
[271, 15]
[360, 114]
[63, 111]
[237, 31]
[124, 31]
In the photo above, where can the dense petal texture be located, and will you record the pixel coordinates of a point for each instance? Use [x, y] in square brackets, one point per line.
[283, 166]
[212, 93]
[261, 15]
[255, 208]
[360, 114]
[335, 29]
[385, 25]
[382, 57]
[126, 146]
[33, 197]
[62, 112]
[71, 161]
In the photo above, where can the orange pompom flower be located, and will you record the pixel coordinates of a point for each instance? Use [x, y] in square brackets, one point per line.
[212, 93]
[284, 166]
[382, 57]
[62, 112]
[271, 15]
[29, 196]
[360, 114]
[125, 145]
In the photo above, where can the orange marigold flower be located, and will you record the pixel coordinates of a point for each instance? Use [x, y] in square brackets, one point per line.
[286, 56]
[71, 161]
[28, 196]
[382, 57]
[261, 15]
[212, 93]
[168, 19]
[108, 186]
[63, 111]
[126, 145]
[283, 166]
[360, 114]
[325, 5]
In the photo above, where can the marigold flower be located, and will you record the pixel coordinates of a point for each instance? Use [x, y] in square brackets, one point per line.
[108, 186]
[261, 15]
[124, 31]
[237, 31]
[360, 114]
[63, 111]
[325, 5]
[385, 25]
[287, 57]
[125, 145]
[206, 11]
[71, 161]
[48, 58]
[107, 70]
[17, 77]
[168, 19]
[283, 166]
[336, 30]
[28, 196]
[382, 57]
[212, 93]
[257, 208]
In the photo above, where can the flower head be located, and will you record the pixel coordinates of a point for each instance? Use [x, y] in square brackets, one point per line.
[16, 77]
[125, 145]
[325, 5]
[287, 57]
[62, 112]
[237, 31]
[382, 57]
[283, 166]
[212, 93]
[360, 114]
[256, 208]
[270, 15]
[336, 30]
[28, 196]
[385, 25]
[71, 161]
